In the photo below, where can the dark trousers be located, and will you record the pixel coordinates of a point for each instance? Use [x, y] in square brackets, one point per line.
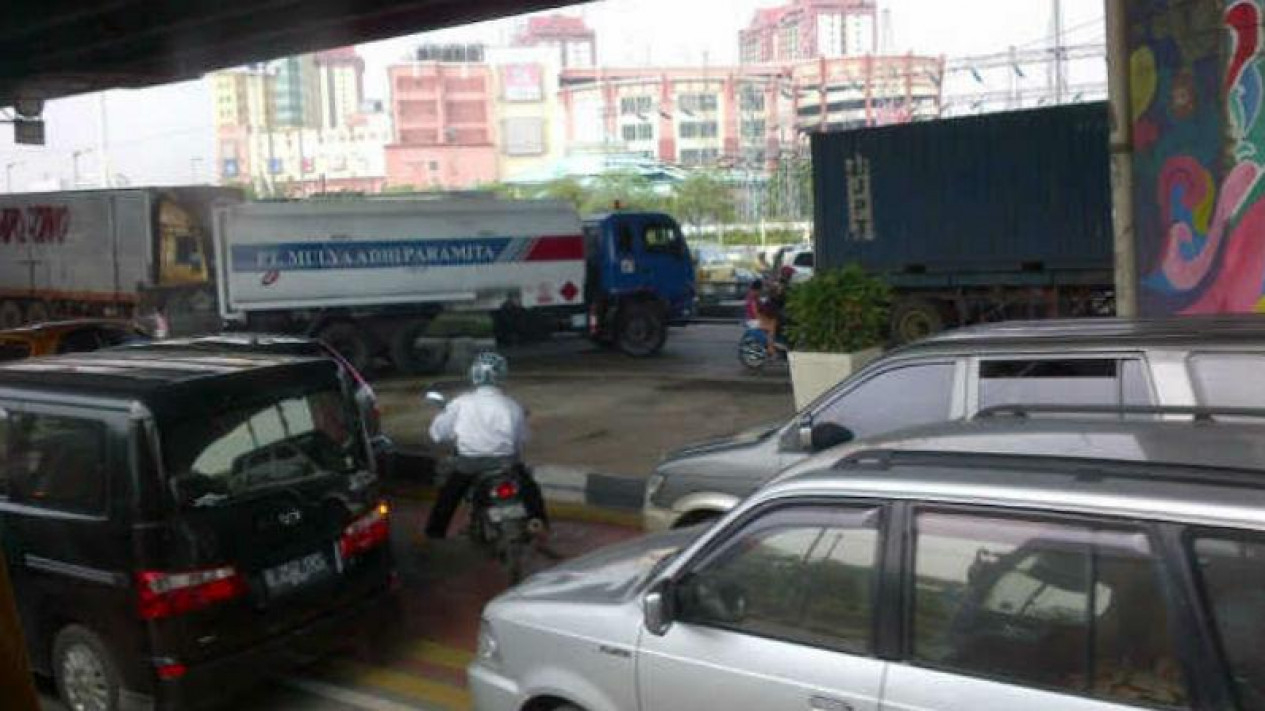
[460, 480]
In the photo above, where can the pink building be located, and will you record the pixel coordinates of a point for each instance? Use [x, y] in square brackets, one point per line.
[575, 42]
[443, 118]
[810, 29]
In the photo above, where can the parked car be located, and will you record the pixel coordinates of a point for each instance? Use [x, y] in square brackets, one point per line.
[907, 579]
[1185, 362]
[175, 526]
[78, 336]
[800, 259]
[277, 344]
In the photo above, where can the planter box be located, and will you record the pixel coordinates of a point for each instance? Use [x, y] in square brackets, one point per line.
[814, 373]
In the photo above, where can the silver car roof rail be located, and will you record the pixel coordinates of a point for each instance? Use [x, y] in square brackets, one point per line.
[1201, 414]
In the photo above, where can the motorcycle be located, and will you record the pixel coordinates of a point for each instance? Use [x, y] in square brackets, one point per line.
[500, 520]
[753, 348]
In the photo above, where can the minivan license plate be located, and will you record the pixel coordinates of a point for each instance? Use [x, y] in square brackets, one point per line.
[296, 574]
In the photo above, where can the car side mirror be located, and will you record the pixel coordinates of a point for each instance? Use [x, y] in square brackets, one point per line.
[804, 433]
[434, 398]
[656, 607]
[828, 434]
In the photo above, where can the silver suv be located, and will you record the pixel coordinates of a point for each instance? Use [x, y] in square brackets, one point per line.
[1186, 362]
[1089, 575]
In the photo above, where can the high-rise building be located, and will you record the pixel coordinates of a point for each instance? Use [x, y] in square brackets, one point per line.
[443, 115]
[243, 97]
[810, 29]
[342, 81]
[574, 41]
[298, 91]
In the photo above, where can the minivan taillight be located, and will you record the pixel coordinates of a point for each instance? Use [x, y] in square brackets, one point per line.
[164, 594]
[367, 532]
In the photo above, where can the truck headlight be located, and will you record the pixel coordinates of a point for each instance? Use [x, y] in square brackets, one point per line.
[654, 484]
[489, 651]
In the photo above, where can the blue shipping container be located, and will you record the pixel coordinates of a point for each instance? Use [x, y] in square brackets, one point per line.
[1014, 198]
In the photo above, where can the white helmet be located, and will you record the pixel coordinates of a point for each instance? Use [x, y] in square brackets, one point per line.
[488, 369]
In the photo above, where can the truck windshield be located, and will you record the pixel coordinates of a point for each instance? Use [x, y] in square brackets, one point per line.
[252, 446]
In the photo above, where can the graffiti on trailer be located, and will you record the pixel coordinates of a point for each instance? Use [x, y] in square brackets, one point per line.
[38, 224]
[1199, 155]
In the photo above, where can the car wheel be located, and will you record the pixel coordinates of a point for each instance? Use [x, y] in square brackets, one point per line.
[350, 343]
[915, 319]
[411, 359]
[11, 315]
[87, 677]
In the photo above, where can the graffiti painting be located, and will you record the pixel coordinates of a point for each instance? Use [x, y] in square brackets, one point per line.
[1197, 83]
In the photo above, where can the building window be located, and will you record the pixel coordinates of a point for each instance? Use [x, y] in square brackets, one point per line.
[524, 136]
[699, 156]
[697, 102]
[752, 99]
[630, 105]
[699, 129]
[753, 130]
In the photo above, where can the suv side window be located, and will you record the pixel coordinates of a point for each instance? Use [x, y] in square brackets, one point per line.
[1062, 606]
[804, 574]
[894, 399]
[83, 340]
[1228, 379]
[1071, 381]
[54, 461]
[1231, 569]
[804, 259]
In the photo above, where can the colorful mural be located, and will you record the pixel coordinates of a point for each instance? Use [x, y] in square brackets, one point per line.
[1197, 80]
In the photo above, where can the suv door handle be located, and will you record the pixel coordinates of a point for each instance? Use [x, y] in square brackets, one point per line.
[825, 703]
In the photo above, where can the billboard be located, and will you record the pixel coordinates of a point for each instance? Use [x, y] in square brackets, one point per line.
[522, 82]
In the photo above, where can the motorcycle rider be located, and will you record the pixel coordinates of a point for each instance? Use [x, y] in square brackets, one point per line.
[490, 430]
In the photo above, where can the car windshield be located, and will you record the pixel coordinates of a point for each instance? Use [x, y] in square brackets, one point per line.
[246, 447]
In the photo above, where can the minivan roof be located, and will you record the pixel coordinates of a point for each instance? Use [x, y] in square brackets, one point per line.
[172, 379]
[1099, 332]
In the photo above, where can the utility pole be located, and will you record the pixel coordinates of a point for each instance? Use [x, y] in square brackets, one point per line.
[8, 175]
[74, 165]
[1121, 153]
[193, 168]
[103, 137]
[1058, 69]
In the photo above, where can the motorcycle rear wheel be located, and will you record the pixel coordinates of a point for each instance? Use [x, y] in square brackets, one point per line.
[753, 353]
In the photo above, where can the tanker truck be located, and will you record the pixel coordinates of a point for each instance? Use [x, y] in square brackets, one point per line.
[368, 275]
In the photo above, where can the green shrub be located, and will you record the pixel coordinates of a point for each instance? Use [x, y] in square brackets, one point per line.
[838, 311]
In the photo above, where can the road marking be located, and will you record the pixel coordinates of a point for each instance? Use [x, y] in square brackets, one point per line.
[350, 697]
[409, 686]
[441, 655]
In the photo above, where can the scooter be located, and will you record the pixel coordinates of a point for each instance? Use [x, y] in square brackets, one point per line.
[500, 521]
[753, 348]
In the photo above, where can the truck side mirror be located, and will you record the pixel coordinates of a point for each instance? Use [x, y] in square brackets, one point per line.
[828, 434]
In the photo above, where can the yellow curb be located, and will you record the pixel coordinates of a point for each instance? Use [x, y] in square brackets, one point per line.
[441, 655]
[409, 686]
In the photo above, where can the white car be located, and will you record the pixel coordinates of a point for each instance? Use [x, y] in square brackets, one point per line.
[800, 259]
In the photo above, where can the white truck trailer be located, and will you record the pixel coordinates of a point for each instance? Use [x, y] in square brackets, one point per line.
[109, 253]
[368, 275]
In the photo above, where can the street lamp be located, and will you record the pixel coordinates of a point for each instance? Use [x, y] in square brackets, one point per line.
[8, 175]
[74, 164]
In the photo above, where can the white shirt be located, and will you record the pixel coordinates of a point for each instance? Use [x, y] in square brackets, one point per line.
[484, 422]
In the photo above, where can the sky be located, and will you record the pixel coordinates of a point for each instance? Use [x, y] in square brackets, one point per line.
[164, 135]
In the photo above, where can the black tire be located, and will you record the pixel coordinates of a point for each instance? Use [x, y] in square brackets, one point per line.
[37, 312]
[753, 353]
[914, 320]
[85, 672]
[349, 341]
[410, 359]
[11, 315]
[641, 330]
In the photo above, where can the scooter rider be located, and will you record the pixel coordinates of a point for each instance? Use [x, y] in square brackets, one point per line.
[490, 430]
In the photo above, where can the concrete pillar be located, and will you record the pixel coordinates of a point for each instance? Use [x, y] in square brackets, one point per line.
[1121, 148]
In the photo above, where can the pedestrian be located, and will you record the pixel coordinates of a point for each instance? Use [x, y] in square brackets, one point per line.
[752, 302]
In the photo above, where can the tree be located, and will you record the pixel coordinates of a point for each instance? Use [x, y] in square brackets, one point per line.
[632, 191]
[703, 198]
[248, 190]
[399, 189]
[790, 191]
[566, 190]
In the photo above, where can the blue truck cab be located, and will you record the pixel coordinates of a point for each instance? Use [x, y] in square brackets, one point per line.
[639, 281]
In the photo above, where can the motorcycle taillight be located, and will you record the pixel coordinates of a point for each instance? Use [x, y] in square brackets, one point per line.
[505, 490]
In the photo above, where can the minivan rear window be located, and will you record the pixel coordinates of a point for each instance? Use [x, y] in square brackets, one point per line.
[1229, 379]
[249, 446]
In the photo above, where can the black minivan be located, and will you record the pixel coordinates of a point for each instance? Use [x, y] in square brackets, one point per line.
[174, 525]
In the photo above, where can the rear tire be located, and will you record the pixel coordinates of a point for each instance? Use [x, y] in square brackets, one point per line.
[11, 315]
[641, 330]
[914, 320]
[37, 312]
[349, 341]
[411, 359]
[753, 352]
[86, 675]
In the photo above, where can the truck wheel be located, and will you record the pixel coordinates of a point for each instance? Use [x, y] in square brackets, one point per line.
[37, 312]
[915, 319]
[642, 330]
[412, 358]
[87, 677]
[349, 341]
[11, 315]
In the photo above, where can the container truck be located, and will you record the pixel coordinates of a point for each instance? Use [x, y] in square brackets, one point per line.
[368, 275]
[124, 253]
[973, 219]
